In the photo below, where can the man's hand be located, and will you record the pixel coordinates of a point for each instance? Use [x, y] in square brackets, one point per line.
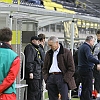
[31, 75]
[98, 67]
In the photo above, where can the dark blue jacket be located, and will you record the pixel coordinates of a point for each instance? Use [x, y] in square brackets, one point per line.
[85, 57]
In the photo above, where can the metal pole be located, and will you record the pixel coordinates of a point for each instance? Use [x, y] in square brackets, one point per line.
[71, 46]
[10, 22]
[72, 36]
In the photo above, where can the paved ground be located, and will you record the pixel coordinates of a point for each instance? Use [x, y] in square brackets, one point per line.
[79, 99]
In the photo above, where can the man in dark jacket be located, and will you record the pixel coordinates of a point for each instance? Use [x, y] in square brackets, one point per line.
[58, 70]
[96, 54]
[86, 62]
[41, 44]
[33, 64]
[76, 74]
[42, 53]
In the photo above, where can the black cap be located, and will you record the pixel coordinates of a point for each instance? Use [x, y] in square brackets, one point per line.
[34, 38]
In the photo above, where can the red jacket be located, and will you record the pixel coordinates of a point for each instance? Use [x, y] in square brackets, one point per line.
[10, 78]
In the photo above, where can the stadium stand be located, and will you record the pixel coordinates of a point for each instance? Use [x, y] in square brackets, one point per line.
[54, 5]
[67, 6]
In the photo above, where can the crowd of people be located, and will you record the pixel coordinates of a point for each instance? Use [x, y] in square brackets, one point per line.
[38, 66]
[60, 70]
[86, 64]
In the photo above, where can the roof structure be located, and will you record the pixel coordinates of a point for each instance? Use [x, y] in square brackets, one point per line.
[43, 16]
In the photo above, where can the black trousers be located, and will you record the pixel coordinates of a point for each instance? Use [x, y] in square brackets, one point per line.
[41, 89]
[33, 89]
[86, 79]
[96, 75]
[55, 85]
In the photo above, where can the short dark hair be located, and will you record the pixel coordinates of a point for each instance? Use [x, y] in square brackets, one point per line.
[41, 36]
[98, 31]
[5, 34]
[88, 38]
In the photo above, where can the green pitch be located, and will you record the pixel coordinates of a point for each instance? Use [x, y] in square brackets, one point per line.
[75, 99]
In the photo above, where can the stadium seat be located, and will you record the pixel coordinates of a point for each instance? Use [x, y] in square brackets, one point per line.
[7, 1]
[47, 0]
[49, 8]
[69, 11]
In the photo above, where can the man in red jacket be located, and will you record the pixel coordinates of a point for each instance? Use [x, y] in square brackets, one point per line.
[9, 66]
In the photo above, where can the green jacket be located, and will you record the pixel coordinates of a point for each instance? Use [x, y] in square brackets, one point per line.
[7, 57]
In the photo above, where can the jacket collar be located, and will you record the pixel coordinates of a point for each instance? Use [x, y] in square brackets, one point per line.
[41, 46]
[36, 46]
[88, 45]
[5, 45]
[61, 51]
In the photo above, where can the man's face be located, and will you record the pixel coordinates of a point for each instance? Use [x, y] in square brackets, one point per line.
[36, 42]
[43, 41]
[92, 42]
[98, 36]
[53, 45]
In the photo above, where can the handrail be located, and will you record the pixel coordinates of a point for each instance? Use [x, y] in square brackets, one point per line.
[23, 66]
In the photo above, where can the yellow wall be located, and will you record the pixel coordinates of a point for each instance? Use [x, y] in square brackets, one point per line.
[16, 38]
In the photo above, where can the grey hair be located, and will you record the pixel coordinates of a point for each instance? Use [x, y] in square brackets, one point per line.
[53, 38]
[88, 38]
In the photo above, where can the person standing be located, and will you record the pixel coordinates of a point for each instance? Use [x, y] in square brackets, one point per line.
[76, 74]
[58, 70]
[9, 61]
[33, 64]
[96, 54]
[86, 62]
[41, 44]
[42, 53]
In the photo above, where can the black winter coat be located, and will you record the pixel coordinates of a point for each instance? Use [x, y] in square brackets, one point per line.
[32, 61]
